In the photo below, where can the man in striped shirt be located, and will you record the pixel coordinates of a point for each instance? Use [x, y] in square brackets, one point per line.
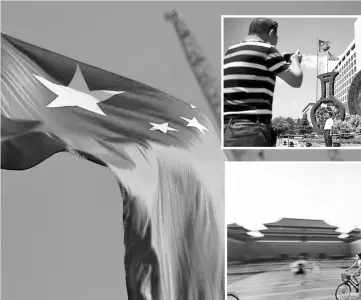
[250, 70]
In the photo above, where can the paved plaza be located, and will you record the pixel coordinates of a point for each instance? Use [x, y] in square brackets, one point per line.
[280, 285]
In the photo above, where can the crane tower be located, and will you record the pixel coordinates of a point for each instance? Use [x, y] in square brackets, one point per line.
[199, 64]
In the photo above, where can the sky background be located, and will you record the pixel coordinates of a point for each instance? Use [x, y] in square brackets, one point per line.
[299, 33]
[61, 221]
[259, 193]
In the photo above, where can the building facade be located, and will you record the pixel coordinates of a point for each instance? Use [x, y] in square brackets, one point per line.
[348, 66]
[289, 239]
[357, 29]
[237, 242]
[307, 111]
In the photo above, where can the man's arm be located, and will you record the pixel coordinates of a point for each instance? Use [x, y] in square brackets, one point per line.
[294, 74]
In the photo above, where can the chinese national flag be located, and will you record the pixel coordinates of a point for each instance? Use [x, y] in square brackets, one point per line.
[163, 152]
[323, 46]
[332, 56]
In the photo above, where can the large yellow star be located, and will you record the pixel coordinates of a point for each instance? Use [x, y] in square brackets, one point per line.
[77, 93]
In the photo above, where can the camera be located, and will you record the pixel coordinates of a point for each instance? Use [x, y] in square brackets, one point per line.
[287, 56]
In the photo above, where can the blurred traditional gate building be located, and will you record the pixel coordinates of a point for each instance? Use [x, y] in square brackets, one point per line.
[289, 239]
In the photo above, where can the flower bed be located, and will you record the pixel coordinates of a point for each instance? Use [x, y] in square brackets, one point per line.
[355, 141]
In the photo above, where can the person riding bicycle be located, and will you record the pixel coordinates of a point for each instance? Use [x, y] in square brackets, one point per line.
[357, 273]
[300, 269]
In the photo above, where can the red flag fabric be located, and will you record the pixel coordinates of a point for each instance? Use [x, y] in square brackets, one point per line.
[332, 56]
[323, 46]
[163, 152]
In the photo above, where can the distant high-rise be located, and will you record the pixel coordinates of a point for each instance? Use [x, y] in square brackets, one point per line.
[348, 65]
[357, 27]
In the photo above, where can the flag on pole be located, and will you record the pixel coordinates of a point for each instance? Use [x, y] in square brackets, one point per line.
[164, 153]
[323, 46]
[332, 56]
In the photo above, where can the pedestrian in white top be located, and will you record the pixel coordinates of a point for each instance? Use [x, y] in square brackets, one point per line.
[316, 268]
[328, 130]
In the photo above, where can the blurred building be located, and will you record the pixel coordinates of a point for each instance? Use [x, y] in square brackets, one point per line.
[307, 111]
[290, 239]
[348, 65]
[237, 239]
[355, 240]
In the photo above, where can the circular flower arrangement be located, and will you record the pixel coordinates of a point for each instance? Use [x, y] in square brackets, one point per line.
[354, 95]
[320, 110]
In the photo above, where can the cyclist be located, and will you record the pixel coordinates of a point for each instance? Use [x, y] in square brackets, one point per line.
[298, 268]
[301, 271]
[357, 273]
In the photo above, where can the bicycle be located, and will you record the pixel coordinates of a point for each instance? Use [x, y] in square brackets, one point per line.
[231, 296]
[345, 287]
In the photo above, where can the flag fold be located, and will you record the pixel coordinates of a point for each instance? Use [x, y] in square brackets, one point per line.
[332, 56]
[163, 152]
[323, 46]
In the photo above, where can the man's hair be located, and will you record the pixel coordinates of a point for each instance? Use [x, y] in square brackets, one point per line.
[359, 254]
[261, 26]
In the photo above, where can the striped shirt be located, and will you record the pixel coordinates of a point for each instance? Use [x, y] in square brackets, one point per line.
[250, 70]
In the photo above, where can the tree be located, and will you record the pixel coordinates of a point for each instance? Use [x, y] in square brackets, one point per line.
[292, 126]
[304, 126]
[298, 125]
[280, 125]
[355, 122]
[349, 127]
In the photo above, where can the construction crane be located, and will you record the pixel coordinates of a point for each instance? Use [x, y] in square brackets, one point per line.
[199, 64]
[201, 68]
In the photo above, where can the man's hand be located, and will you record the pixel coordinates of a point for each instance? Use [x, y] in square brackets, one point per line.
[297, 57]
[294, 75]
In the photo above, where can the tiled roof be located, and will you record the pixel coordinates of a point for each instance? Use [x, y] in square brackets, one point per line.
[291, 222]
[356, 231]
[235, 226]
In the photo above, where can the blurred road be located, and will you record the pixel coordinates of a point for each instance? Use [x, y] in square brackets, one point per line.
[280, 285]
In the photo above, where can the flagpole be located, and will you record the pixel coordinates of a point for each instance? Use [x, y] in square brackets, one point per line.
[318, 45]
[327, 61]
